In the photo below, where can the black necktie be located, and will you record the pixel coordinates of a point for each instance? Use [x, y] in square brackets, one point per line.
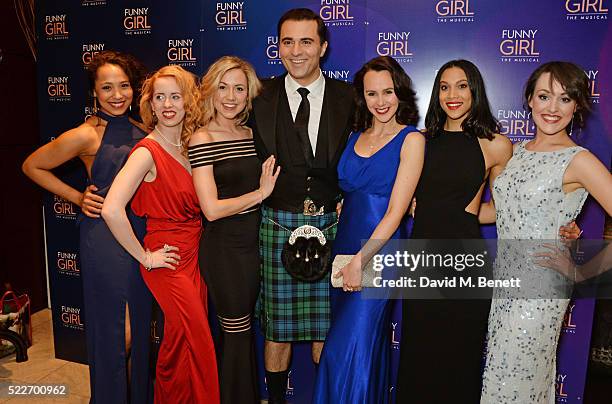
[301, 124]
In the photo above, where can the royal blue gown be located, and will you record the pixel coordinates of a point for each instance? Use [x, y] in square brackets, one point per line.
[355, 364]
[112, 280]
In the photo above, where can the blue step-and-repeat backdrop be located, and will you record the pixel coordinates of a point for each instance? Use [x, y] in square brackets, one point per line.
[506, 39]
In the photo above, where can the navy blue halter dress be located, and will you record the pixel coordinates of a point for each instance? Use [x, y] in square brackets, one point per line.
[111, 279]
[355, 363]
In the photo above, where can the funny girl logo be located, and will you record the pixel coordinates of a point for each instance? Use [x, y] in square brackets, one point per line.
[395, 336]
[561, 388]
[71, 318]
[136, 21]
[569, 321]
[337, 74]
[88, 112]
[272, 55]
[229, 16]
[336, 13]
[180, 52]
[519, 46]
[56, 27]
[89, 50]
[290, 388]
[64, 209]
[394, 44]
[594, 93]
[58, 88]
[92, 3]
[67, 263]
[454, 11]
[516, 124]
[156, 332]
[586, 10]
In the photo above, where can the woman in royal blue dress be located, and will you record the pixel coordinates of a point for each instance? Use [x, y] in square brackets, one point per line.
[117, 303]
[378, 173]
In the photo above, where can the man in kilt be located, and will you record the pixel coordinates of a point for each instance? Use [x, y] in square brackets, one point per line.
[303, 118]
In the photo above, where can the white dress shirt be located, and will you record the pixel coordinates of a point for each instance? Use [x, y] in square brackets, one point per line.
[315, 98]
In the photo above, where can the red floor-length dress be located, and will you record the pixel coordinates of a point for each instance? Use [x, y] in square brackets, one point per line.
[186, 367]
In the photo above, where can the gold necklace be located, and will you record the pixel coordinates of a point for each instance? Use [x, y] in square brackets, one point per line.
[179, 145]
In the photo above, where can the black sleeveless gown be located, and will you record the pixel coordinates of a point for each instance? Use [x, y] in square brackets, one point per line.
[442, 344]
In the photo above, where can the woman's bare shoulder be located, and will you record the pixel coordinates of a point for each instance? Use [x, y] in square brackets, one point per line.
[201, 136]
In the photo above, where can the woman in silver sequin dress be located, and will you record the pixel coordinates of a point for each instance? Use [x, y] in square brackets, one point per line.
[543, 186]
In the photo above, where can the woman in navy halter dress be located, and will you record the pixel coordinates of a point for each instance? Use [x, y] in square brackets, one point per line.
[112, 283]
[354, 365]
[112, 280]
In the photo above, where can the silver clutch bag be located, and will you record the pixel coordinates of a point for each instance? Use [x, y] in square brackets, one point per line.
[367, 277]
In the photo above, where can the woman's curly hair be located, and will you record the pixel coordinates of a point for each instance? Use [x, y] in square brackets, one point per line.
[187, 82]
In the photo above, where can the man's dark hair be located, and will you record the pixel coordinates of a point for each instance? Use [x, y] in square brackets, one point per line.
[304, 14]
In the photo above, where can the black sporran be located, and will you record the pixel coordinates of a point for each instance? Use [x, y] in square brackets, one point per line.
[306, 259]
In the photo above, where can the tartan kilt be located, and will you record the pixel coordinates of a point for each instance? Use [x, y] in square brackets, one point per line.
[290, 310]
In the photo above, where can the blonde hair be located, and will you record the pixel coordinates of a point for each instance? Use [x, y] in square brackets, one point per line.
[211, 80]
[187, 82]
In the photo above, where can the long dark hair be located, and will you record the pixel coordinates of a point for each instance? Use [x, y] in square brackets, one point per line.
[480, 122]
[407, 110]
[572, 79]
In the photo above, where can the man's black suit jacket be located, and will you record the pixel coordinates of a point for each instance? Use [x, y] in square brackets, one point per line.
[297, 181]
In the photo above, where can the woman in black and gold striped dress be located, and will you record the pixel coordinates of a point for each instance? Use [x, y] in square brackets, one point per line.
[231, 184]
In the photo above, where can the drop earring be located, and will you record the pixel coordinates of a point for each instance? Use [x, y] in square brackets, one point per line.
[95, 105]
[571, 126]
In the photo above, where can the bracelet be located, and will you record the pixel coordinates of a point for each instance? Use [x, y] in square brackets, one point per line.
[148, 261]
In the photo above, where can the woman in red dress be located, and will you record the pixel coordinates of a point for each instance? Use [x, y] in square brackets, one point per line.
[157, 176]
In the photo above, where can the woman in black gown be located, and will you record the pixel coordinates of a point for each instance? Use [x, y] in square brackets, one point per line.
[442, 342]
[231, 184]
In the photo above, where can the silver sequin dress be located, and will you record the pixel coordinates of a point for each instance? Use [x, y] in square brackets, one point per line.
[524, 326]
